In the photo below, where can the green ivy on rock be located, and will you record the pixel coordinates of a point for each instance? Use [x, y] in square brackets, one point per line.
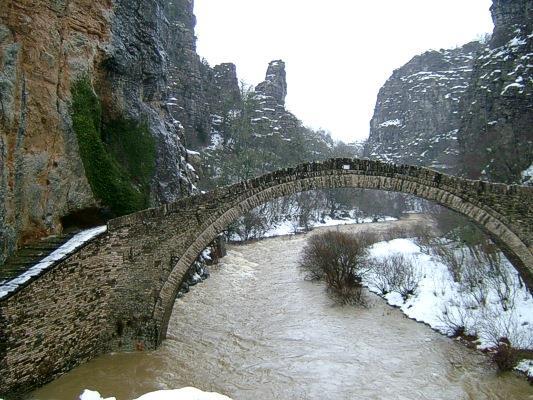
[118, 157]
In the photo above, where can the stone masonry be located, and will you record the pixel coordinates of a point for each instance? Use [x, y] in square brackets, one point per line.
[117, 292]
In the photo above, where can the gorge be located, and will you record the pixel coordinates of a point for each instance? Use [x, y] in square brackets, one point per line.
[109, 119]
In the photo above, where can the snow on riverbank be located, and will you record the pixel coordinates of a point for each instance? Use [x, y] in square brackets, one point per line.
[443, 304]
[289, 227]
[69, 247]
[187, 393]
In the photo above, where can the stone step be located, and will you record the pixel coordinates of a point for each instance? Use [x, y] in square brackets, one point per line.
[31, 254]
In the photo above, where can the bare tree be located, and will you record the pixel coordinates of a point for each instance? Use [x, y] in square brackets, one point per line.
[340, 259]
[395, 273]
[458, 320]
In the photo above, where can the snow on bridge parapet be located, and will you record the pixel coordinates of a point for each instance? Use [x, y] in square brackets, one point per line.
[62, 252]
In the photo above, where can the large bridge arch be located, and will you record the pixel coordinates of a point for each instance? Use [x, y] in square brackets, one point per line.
[117, 292]
[493, 207]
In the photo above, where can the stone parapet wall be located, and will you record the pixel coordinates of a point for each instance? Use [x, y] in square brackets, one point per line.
[58, 320]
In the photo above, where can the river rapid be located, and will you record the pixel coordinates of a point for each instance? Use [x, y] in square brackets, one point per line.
[257, 330]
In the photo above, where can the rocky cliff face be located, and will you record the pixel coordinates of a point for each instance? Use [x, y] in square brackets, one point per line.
[43, 46]
[274, 87]
[465, 111]
[496, 132]
[134, 55]
[255, 134]
[271, 118]
[196, 92]
[270, 114]
[417, 113]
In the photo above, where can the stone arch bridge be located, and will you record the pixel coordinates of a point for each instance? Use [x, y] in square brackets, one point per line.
[118, 290]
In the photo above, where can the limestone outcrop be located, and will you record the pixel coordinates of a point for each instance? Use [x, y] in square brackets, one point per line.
[138, 60]
[417, 114]
[270, 113]
[196, 93]
[43, 47]
[274, 87]
[496, 131]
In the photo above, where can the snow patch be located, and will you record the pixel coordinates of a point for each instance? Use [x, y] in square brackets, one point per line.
[93, 395]
[216, 141]
[515, 84]
[527, 175]
[525, 366]
[391, 122]
[186, 393]
[192, 153]
[517, 42]
[63, 251]
[438, 297]
[288, 227]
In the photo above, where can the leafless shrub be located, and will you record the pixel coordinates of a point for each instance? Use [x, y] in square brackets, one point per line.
[457, 319]
[505, 356]
[496, 325]
[507, 337]
[250, 226]
[395, 273]
[340, 260]
[472, 281]
[349, 295]
[408, 276]
[424, 238]
[500, 279]
[477, 265]
[450, 255]
[380, 278]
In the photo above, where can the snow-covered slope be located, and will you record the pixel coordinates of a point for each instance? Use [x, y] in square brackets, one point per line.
[446, 305]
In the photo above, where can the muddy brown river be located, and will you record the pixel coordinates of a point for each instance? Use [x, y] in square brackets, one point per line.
[257, 330]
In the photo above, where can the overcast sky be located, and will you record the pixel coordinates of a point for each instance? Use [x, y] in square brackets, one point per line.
[338, 53]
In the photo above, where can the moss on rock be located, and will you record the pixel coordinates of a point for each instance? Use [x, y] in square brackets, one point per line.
[118, 157]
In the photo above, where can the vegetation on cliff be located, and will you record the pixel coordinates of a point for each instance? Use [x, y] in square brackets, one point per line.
[250, 147]
[118, 157]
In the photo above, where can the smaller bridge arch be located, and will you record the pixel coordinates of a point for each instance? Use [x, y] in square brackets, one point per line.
[118, 291]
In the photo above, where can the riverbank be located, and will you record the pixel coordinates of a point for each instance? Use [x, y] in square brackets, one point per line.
[443, 304]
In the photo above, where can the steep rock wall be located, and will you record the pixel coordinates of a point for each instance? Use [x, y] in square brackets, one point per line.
[466, 111]
[43, 47]
[497, 109]
[270, 113]
[125, 49]
[417, 113]
[197, 93]
[134, 81]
